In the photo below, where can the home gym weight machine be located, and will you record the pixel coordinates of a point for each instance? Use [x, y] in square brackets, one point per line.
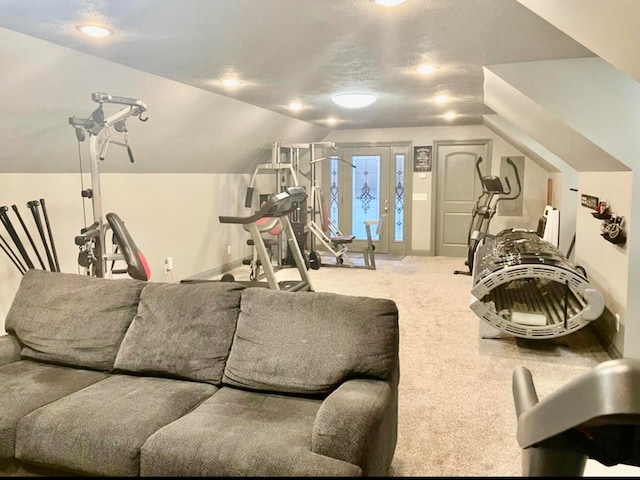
[92, 239]
[493, 192]
[327, 232]
[285, 167]
[286, 160]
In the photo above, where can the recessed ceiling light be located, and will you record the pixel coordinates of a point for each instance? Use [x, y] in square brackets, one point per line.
[295, 106]
[426, 69]
[389, 3]
[354, 100]
[230, 82]
[331, 121]
[450, 115]
[95, 31]
[441, 99]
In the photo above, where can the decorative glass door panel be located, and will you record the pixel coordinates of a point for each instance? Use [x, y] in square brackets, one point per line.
[365, 194]
[369, 184]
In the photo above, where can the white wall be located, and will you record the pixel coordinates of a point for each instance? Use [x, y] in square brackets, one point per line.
[534, 188]
[609, 29]
[607, 265]
[172, 215]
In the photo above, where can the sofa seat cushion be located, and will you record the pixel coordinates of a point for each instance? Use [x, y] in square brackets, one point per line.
[309, 342]
[27, 386]
[99, 430]
[241, 433]
[182, 330]
[72, 319]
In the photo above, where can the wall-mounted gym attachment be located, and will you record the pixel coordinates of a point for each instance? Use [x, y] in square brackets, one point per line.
[23, 261]
[92, 239]
[493, 192]
[525, 287]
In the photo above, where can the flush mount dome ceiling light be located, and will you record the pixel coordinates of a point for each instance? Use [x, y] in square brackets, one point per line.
[95, 31]
[354, 100]
[389, 3]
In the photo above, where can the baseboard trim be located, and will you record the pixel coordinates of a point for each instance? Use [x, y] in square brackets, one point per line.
[598, 327]
[421, 253]
[216, 270]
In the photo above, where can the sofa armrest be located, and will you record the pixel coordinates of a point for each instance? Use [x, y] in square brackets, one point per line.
[348, 423]
[9, 349]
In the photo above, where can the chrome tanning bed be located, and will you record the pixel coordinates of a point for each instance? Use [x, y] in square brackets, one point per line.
[524, 286]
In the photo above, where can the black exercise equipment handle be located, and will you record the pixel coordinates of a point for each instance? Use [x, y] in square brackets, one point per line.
[26, 230]
[6, 221]
[478, 162]
[130, 152]
[515, 171]
[12, 255]
[248, 199]
[33, 206]
[53, 245]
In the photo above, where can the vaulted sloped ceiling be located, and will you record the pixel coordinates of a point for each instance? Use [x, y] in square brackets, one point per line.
[189, 129]
[584, 110]
[172, 54]
[610, 29]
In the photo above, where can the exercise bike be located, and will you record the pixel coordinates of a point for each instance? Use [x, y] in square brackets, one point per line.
[493, 192]
[92, 239]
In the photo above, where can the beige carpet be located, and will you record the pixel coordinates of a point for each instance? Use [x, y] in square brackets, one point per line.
[456, 413]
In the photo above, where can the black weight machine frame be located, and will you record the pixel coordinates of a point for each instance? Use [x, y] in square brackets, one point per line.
[92, 239]
[486, 206]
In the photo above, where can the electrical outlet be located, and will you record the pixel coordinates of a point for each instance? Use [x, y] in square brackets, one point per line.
[617, 322]
[228, 249]
[168, 265]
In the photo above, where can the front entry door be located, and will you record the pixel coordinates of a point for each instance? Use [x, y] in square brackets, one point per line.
[458, 188]
[368, 183]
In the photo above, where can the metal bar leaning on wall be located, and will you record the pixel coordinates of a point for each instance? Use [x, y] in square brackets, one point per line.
[6, 221]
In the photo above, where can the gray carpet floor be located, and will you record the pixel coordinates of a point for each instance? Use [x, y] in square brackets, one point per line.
[456, 411]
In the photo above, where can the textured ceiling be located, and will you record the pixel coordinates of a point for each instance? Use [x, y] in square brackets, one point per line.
[308, 50]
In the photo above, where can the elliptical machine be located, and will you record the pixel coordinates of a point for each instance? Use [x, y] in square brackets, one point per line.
[493, 192]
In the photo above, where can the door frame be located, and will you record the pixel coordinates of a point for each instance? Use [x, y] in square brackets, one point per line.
[397, 147]
[435, 204]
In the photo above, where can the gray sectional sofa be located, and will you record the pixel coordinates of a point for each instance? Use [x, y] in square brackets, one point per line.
[128, 378]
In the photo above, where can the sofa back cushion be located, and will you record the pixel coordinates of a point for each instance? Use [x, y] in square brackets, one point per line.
[182, 330]
[72, 319]
[310, 342]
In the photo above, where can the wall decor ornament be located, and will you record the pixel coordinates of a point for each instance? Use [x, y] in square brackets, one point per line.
[422, 159]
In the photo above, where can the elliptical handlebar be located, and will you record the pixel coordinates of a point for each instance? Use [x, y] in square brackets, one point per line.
[478, 162]
[506, 179]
